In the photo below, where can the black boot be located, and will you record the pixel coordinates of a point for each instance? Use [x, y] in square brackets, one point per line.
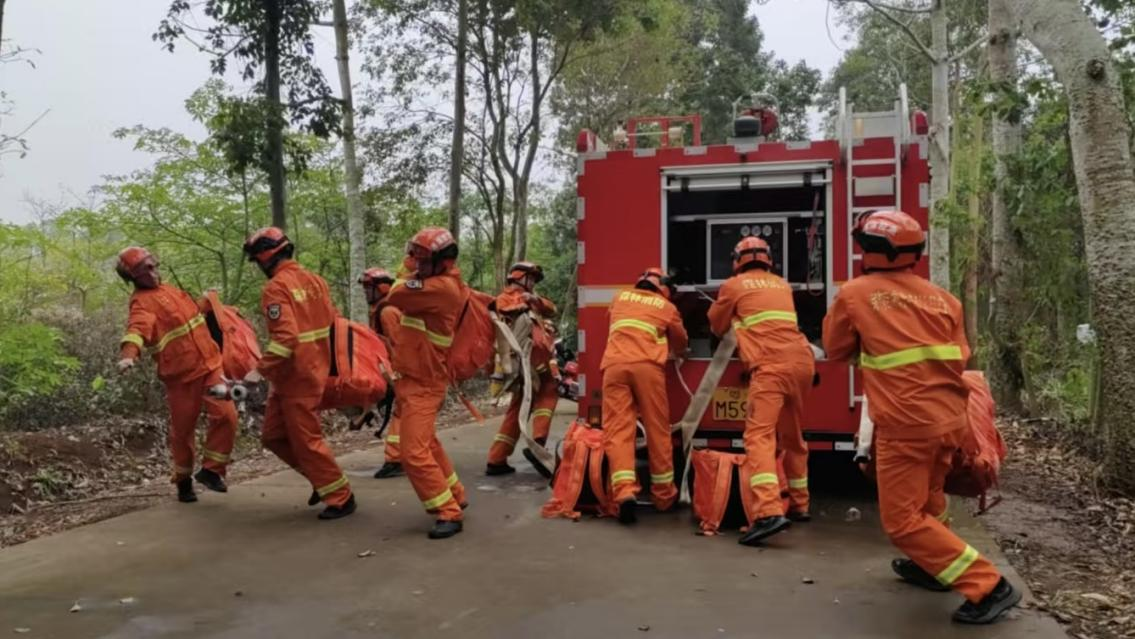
[185, 492]
[799, 516]
[627, 514]
[492, 470]
[338, 512]
[314, 499]
[389, 469]
[445, 529]
[912, 573]
[211, 480]
[762, 528]
[995, 604]
[540, 468]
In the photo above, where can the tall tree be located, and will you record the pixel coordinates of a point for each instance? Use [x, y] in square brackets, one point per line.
[1099, 135]
[275, 36]
[457, 149]
[356, 222]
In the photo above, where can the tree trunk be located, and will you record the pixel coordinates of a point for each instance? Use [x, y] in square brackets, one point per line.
[939, 145]
[276, 185]
[973, 223]
[1005, 369]
[2, 21]
[356, 224]
[457, 149]
[1099, 133]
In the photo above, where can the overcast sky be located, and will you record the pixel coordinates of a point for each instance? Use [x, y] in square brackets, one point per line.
[98, 70]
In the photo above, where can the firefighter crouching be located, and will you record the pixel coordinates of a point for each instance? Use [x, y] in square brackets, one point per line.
[909, 339]
[758, 305]
[298, 313]
[645, 328]
[518, 298]
[168, 321]
[386, 321]
[431, 301]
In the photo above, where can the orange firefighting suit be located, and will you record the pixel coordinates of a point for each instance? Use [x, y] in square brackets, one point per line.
[910, 342]
[167, 320]
[431, 308]
[387, 321]
[759, 306]
[299, 313]
[644, 326]
[511, 301]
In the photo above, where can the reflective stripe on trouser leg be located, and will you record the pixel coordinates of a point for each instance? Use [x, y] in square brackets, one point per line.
[425, 462]
[905, 473]
[765, 402]
[504, 442]
[312, 454]
[184, 400]
[619, 431]
[544, 407]
[392, 452]
[790, 432]
[649, 383]
[220, 436]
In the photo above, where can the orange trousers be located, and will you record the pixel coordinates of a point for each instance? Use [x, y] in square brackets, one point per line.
[775, 419]
[293, 432]
[393, 448]
[910, 474]
[185, 400]
[543, 407]
[424, 460]
[630, 390]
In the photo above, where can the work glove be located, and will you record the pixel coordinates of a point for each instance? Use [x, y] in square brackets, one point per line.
[125, 365]
[218, 391]
[253, 377]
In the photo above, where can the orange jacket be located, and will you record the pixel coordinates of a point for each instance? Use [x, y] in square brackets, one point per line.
[911, 345]
[644, 326]
[511, 300]
[759, 305]
[298, 312]
[430, 310]
[167, 320]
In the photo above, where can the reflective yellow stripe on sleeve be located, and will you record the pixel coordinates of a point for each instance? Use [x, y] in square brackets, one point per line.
[180, 331]
[393, 439]
[761, 479]
[437, 339]
[314, 336]
[948, 576]
[622, 476]
[332, 487]
[639, 325]
[906, 357]
[133, 338]
[765, 316]
[276, 348]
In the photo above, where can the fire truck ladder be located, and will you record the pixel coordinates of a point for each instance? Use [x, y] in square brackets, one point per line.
[873, 145]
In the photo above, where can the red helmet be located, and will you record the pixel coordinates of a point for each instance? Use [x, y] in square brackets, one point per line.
[751, 250]
[375, 276]
[268, 245]
[129, 259]
[430, 249]
[520, 270]
[890, 240]
[655, 279]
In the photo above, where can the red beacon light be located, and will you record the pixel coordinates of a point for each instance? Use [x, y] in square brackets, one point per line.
[919, 123]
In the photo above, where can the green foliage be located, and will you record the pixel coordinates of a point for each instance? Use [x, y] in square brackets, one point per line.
[32, 363]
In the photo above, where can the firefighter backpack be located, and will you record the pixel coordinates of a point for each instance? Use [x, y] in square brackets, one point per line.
[359, 366]
[720, 497]
[235, 337]
[579, 484]
[977, 463]
[473, 340]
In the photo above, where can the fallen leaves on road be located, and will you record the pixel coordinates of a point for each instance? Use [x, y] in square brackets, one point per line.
[367, 553]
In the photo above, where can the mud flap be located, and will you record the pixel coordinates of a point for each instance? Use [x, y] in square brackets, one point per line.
[700, 402]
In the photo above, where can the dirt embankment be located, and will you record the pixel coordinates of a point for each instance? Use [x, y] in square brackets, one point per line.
[1072, 542]
[59, 478]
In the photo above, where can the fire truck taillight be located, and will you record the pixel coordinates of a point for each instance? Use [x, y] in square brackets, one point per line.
[595, 410]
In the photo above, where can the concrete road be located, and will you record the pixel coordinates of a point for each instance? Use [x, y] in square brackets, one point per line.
[256, 563]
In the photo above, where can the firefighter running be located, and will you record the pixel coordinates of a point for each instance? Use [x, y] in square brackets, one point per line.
[431, 302]
[645, 329]
[758, 305]
[298, 313]
[519, 299]
[169, 322]
[909, 340]
[386, 321]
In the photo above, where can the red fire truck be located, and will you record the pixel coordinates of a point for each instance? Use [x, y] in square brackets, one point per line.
[651, 199]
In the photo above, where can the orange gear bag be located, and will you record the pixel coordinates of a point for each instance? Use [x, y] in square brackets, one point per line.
[719, 494]
[235, 337]
[474, 339]
[360, 365]
[977, 463]
[579, 483]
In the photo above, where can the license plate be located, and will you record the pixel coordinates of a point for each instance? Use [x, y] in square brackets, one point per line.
[730, 404]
